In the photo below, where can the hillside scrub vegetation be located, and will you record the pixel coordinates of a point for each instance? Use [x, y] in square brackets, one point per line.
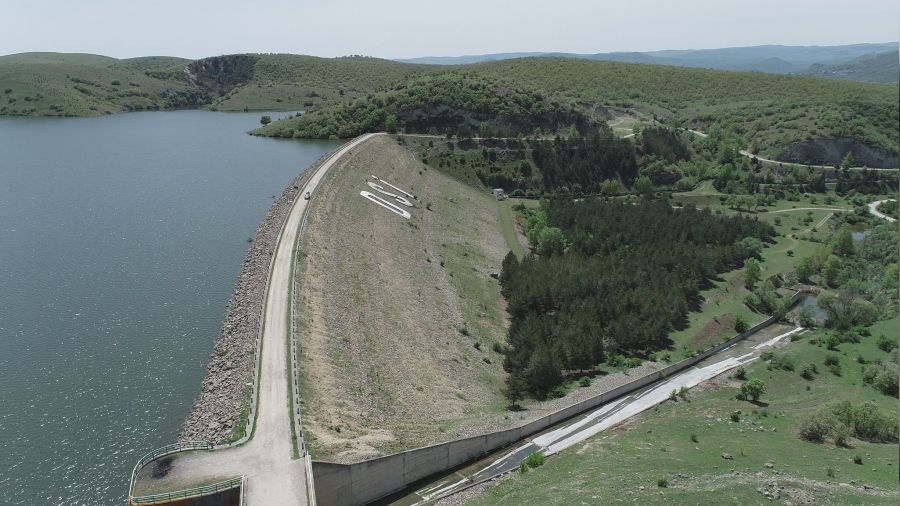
[770, 111]
[448, 103]
[774, 115]
[609, 277]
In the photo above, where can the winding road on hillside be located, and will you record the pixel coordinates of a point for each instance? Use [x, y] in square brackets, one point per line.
[273, 476]
[873, 209]
[778, 162]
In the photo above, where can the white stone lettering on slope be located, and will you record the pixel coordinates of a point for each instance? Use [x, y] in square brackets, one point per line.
[390, 206]
[376, 178]
[380, 189]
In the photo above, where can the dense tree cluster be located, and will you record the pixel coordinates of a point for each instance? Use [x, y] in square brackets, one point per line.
[664, 143]
[580, 164]
[611, 277]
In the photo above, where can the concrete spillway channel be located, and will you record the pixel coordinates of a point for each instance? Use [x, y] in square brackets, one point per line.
[574, 431]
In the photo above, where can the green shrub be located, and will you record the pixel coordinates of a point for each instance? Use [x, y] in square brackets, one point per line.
[753, 389]
[558, 392]
[840, 420]
[832, 360]
[883, 377]
[815, 428]
[736, 416]
[662, 483]
[780, 362]
[886, 344]
[740, 325]
[857, 460]
[740, 373]
[584, 382]
[808, 372]
[533, 460]
[694, 438]
[831, 342]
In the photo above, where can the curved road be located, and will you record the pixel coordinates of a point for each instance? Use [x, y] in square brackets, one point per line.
[873, 209]
[793, 164]
[273, 476]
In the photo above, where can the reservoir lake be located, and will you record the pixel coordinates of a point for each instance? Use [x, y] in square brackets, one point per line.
[121, 238]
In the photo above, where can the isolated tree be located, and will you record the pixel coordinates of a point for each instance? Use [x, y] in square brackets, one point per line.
[805, 269]
[740, 325]
[863, 312]
[643, 186]
[390, 124]
[610, 187]
[751, 272]
[831, 270]
[515, 390]
[551, 241]
[842, 243]
[753, 389]
[759, 200]
[844, 309]
[847, 162]
[265, 120]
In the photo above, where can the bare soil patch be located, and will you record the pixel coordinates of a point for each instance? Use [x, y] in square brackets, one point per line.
[713, 332]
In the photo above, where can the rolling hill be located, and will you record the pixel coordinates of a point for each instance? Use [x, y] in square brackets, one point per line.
[801, 60]
[873, 68]
[772, 112]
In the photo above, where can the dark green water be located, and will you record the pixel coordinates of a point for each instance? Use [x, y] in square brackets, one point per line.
[120, 241]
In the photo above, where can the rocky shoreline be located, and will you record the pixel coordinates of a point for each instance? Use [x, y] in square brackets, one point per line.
[216, 411]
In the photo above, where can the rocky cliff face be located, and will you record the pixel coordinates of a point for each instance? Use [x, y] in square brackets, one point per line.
[221, 74]
[832, 151]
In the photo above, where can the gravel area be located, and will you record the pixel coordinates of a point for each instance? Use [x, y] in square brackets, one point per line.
[463, 497]
[225, 389]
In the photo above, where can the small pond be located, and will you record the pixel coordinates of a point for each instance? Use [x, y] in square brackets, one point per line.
[808, 303]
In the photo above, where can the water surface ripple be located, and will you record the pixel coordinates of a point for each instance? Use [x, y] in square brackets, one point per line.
[120, 241]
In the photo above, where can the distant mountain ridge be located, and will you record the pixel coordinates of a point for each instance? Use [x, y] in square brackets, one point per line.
[876, 68]
[777, 59]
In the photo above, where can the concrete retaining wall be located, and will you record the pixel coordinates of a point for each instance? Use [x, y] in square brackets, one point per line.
[367, 481]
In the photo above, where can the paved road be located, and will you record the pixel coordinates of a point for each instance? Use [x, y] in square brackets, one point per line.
[873, 208]
[604, 417]
[777, 162]
[810, 209]
[792, 164]
[273, 476]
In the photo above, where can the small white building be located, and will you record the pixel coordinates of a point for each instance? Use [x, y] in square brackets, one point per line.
[499, 194]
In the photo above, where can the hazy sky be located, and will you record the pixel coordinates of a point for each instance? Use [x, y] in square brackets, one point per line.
[408, 28]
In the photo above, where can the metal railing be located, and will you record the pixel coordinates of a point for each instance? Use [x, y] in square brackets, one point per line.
[162, 452]
[191, 492]
[254, 388]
